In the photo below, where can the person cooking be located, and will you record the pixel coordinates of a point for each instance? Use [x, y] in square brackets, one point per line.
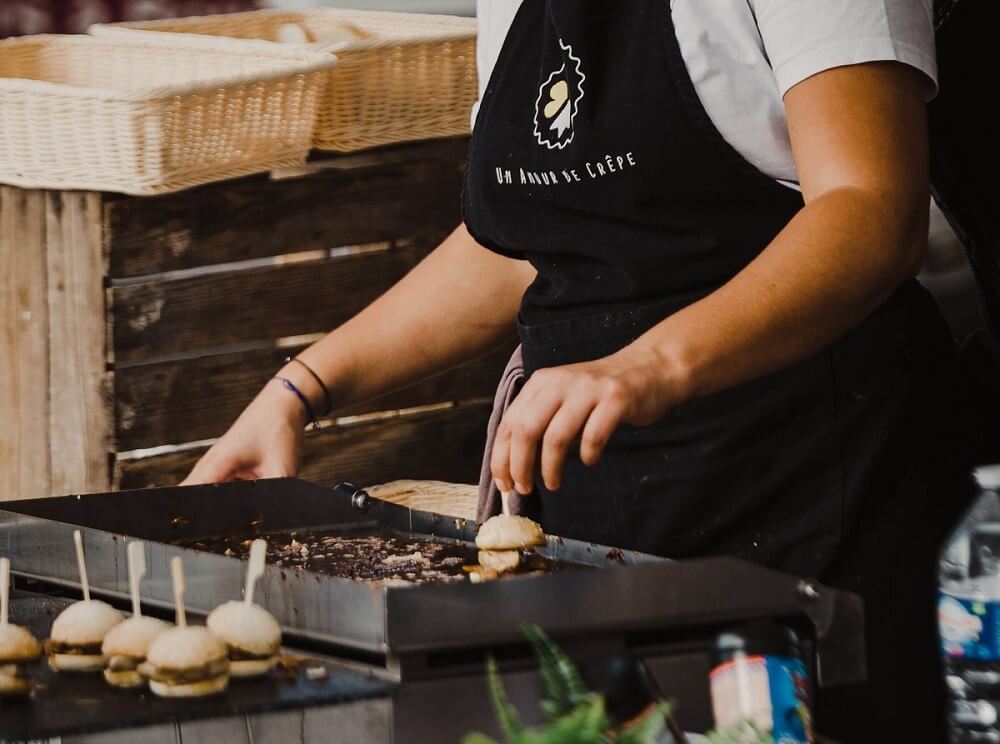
[703, 219]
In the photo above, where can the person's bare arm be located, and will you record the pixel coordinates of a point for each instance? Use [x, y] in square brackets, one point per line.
[458, 303]
[859, 138]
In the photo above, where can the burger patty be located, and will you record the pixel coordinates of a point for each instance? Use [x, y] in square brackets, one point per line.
[181, 676]
[239, 654]
[121, 663]
[58, 647]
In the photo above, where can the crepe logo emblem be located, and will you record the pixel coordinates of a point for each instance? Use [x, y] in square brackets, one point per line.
[559, 101]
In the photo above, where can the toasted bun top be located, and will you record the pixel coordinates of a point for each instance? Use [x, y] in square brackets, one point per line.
[186, 648]
[133, 637]
[247, 627]
[17, 644]
[509, 533]
[85, 623]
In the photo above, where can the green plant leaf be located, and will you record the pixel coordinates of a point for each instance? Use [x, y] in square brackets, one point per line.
[651, 728]
[510, 721]
[561, 678]
[478, 739]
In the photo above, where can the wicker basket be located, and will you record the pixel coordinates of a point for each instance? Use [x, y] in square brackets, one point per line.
[142, 116]
[401, 76]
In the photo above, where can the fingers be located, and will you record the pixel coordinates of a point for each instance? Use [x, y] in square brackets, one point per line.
[600, 425]
[516, 444]
[211, 469]
[562, 431]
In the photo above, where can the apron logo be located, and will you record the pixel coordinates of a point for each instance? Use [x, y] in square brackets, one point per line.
[558, 101]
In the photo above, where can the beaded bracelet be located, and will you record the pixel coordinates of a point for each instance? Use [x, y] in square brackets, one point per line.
[290, 386]
[319, 381]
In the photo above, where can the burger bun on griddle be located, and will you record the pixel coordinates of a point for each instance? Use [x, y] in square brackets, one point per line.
[504, 532]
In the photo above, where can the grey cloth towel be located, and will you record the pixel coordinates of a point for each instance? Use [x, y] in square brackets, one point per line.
[489, 495]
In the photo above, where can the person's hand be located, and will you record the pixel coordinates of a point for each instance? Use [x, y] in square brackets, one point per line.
[264, 442]
[584, 402]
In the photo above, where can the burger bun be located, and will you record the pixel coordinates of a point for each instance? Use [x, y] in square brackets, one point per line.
[246, 627]
[202, 688]
[17, 645]
[85, 623]
[133, 637]
[504, 532]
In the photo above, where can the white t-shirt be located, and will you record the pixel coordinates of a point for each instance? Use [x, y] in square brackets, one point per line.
[743, 55]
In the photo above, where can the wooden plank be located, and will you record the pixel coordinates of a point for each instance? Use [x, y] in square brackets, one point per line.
[80, 415]
[223, 310]
[25, 467]
[256, 217]
[190, 400]
[437, 445]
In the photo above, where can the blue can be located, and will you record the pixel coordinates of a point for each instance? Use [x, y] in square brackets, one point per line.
[759, 677]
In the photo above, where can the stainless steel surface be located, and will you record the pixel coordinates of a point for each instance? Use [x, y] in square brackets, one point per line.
[630, 599]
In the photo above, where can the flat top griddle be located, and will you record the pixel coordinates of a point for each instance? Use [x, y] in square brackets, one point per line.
[65, 704]
[625, 594]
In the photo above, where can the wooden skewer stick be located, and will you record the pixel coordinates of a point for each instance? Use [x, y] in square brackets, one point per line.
[81, 564]
[255, 568]
[4, 590]
[177, 573]
[136, 570]
[505, 501]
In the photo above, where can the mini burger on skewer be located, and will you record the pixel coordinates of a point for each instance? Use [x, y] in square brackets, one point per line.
[500, 541]
[126, 645]
[74, 644]
[251, 632]
[18, 647]
[185, 661]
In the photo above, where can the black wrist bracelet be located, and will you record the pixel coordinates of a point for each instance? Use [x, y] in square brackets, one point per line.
[319, 381]
[290, 387]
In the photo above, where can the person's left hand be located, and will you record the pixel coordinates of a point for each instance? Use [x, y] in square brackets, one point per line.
[585, 402]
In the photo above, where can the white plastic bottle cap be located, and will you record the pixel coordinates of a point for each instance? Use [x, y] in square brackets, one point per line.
[988, 477]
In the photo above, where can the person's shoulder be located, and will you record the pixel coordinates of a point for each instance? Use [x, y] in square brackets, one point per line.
[805, 37]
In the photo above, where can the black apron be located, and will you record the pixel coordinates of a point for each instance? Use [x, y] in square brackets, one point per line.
[593, 158]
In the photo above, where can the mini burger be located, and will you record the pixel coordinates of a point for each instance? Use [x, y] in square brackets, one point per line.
[500, 541]
[252, 635]
[185, 662]
[77, 635]
[125, 648]
[18, 647]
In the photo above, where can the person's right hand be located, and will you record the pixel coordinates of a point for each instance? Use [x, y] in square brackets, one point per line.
[264, 442]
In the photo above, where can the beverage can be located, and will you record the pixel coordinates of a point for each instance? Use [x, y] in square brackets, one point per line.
[759, 677]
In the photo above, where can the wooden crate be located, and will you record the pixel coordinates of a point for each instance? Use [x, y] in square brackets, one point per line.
[133, 330]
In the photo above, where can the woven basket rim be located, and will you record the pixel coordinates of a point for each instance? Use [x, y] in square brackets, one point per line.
[434, 27]
[296, 61]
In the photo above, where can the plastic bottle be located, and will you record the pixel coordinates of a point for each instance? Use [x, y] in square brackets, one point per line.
[969, 615]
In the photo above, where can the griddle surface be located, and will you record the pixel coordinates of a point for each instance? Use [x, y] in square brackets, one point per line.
[71, 704]
[371, 554]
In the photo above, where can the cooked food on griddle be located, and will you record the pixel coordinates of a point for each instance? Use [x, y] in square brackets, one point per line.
[501, 561]
[18, 648]
[125, 648]
[252, 635]
[186, 661]
[501, 540]
[505, 532]
[77, 635]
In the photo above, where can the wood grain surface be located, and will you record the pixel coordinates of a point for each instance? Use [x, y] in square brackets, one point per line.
[444, 444]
